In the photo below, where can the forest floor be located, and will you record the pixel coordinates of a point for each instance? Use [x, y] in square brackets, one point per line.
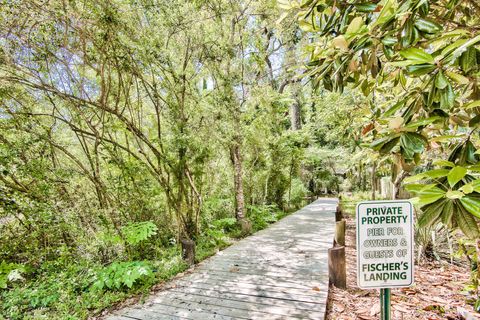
[436, 294]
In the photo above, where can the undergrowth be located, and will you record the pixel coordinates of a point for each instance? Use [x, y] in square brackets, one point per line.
[71, 288]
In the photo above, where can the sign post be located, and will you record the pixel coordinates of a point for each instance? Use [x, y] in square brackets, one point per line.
[384, 248]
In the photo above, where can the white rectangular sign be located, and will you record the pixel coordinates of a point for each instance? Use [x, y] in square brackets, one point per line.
[384, 244]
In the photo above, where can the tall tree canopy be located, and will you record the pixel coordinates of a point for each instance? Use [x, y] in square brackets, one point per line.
[418, 62]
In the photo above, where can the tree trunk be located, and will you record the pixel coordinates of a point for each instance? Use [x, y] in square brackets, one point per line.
[374, 180]
[236, 158]
[295, 120]
[397, 184]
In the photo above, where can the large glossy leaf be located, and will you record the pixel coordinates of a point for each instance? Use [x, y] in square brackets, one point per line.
[472, 104]
[418, 56]
[466, 222]
[427, 26]
[432, 174]
[387, 147]
[441, 81]
[413, 142]
[417, 188]
[366, 7]
[377, 144]
[431, 213]
[447, 213]
[472, 205]
[447, 97]
[423, 122]
[454, 194]
[420, 70]
[355, 25]
[443, 163]
[430, 195]
[458, 78]
[455, 175]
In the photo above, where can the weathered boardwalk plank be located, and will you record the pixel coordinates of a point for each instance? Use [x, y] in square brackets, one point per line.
[278, 273]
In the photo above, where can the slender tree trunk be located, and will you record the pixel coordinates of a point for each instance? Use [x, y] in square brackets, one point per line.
[238, 182]
[236, 157]
[374, 179]
[397, 184]
[295, 120]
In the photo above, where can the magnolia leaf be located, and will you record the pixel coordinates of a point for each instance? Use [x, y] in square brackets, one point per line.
[447, 97]
[403, 63]
[454, 194]
[423, 122]
[420, 70]
[447, 213]
[446, 138]
[366, 7]
[427, 26]
[355, 25]
[416, 188]
[431, 213]
[430, 195]
[441, 81]
[436, 173]
[418, 56]
[449, 49]
[467, 189]
[413, 142]
[472, 205]
[472, 104]
[458, 78]
[387, 147]
[443, 163]
[377, 144]
[465, 46]
[412, 179]
[455, 175]
[340, 43]
[466, 222]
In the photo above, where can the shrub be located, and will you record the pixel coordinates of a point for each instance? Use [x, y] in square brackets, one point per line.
[137, 232]
[120, 274]
[10, 272]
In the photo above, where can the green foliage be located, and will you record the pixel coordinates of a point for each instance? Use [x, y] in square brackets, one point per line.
[450, 194]
[137, 232]
[225, 224]
[417, 64]
[10, 272]
[297, 193]
[262, 216]
[122, 274]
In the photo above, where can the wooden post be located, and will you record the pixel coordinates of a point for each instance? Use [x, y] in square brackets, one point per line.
[338, 214]
[245, 226]
[337, 272]
[340, 233]
[188, 251]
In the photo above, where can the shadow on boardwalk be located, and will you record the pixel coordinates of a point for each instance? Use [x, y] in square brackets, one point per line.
[278, 273]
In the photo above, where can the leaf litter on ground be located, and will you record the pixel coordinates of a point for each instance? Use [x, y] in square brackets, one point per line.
[437, 292]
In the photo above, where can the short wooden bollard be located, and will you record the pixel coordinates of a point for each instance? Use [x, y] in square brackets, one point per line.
[188, 251]
[340, 233]
[338, 214]
[337, 271]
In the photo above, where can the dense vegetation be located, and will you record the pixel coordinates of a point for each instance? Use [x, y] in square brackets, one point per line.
[417, 62]
[137, 133]
[131, 130]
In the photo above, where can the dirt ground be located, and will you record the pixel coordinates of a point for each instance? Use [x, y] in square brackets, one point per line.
[436, 294]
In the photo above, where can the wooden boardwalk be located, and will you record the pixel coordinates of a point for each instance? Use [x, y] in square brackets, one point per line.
[278, 273]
